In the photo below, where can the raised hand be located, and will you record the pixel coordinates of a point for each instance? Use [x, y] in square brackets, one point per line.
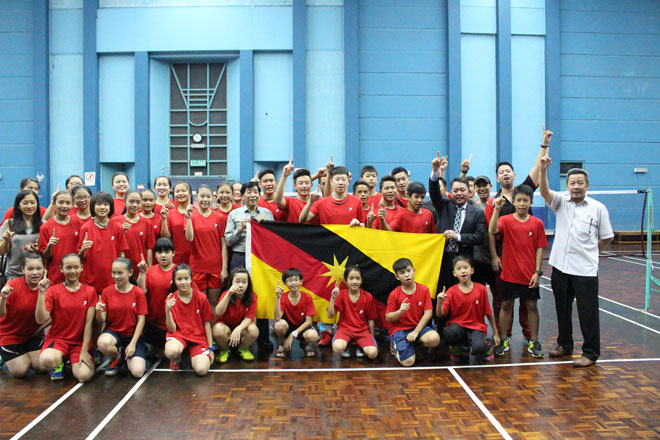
[100, 306]
[499, 202]
[442, 295]
[330, 165]
[53, 240]
[405, 305]
[44, 283]
[279, 291]
[547, 135]
[7, 235]
[335, 292]
[127, 226]
[546, 161]
[313, 197]
[170, 303]
[435, 163]
[321, 172]
[382, 212]
[444, 163]
[189, 211]
[371, 216]
[142, 265]
[164, 211]
[86, 244]
[288, 168]
[6, 291]
[465, 165]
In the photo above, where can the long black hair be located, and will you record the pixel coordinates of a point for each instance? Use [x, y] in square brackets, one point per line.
[18, 225]
[179, 267]
[247, 296]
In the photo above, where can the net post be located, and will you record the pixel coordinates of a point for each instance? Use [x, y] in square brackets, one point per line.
[649, 247]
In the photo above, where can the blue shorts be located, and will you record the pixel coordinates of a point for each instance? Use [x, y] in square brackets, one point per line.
[402, 348]
[123, 341]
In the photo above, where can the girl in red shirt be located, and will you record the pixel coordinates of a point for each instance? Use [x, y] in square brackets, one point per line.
[224, 202]
[20, 335]
[59, 235]
[236, 195]
[156, 281]
[70, 306]
[122, 311]
[236, 311]
[148, 204]
[188, 316]
[205, 230]
[174, 222]
[138, 231]
[162, 187]
[120, 185]
[81, 196]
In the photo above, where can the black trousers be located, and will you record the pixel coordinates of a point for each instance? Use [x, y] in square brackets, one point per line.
[585, 290]
[476, 339]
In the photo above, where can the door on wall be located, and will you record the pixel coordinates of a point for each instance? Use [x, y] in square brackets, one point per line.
[198, 120]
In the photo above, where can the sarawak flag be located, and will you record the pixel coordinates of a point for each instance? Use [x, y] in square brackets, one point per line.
[323, 252]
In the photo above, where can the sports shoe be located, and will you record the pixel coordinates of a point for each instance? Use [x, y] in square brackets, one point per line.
[505, 343]
[359, 353]
[57, 373]
[114, 366]
[326, 338]
[526, 341]
[489, 355]
[535, 348]
[223, 356]
[346, 353]
[499, 350]
[246, 354]
[175, 364]
[456, 353]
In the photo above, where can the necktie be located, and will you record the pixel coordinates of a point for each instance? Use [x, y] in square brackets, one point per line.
[453, 244]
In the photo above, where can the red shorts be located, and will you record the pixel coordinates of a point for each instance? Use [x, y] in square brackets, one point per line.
[194, 348]
[73, 350]
[207, 281]
[363, 338]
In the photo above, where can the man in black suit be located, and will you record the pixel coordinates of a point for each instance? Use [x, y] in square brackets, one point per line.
[462, 223]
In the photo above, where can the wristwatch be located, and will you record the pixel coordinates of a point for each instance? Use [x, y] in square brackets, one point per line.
[294, 333]
[540, 272]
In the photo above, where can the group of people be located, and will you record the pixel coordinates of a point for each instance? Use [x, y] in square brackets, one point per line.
[142, 271]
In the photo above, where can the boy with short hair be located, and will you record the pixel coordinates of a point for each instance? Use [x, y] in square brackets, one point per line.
[302, 184]
[340, 208]
[410, 310]
[369, 174]
[414, 218]
[523, 240]
[268, 184]
[361, 191]
[466, 304]
[388, 209]
[402, 178]
[294, 311]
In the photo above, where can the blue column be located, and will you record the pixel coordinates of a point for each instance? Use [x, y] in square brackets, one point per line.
[91, 92]
[504, 90]
[351, 87]
[553, 91]
[300, 83]
[142, 159]
[40, 87]
[247, 115]
[454, 86]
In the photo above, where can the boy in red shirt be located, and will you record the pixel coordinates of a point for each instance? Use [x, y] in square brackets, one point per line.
[523, 240]
[302, 184]
[340, 208]
[294, 312]
[414, 218]
[388, 208]
[466, 304]
[268, 184]
[369, 174]
[409, 309]
[356, 322]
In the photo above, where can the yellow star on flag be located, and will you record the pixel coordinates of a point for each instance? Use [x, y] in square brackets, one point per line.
[336, 271]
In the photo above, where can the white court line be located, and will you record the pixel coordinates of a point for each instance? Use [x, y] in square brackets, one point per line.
[57, 403]
[122, 402]
[626, 261]
[630, 321]
[481, 406]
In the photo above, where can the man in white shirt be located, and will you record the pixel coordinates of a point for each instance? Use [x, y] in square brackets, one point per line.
[582, 229]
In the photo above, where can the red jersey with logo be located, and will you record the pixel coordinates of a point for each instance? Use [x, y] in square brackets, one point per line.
[390, 216]
[68, 311]
[468, 309]
[83, 220]
[374, 200]
[224, 214]
[190, 318]
[278, 214]
[237, 312]
[18, 325]
[520, 240]
[119, 206]
[68, 235]
[296, 315]
[206, 254]
[338, 212]
[156, 222]
[140, 237]
[176, 223]
[158, 208]
[293, 208]
[108, 242]
[419, 300]
[355, 316]
[408, 221]
[123, 309]
[157, 283]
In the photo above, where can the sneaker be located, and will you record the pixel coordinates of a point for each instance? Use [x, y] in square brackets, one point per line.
[57, 373]
[359, 353]
[223, 356]
[246, 354]
[456, 353]
[175, 364]
[346, 354]
[499, 350]
[505, 343]
[114, 366]
[326, 338]
[526, 341]
[489, 355]
[535, 348]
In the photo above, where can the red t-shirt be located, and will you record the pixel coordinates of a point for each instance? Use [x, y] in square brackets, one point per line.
[278, 214]
[206, 254]
[158, 208]
[140, 237]
[190, 318]
[10, 213]
[374, 200]
[237, 312]
[420, 301]
[520, 242]
[402, 202]
[83, 220]
[390, 216]
[68, 311]
[68, 235]
[333, 212]
[296, 315]
[468, 309]
[293, 208]
[108, 243]
[408, 221]
[18, 325]
[157, 284]
[355, 316]
[176, 223]
[156, 222]
[123, 309]
[119, 206]
[224, 214]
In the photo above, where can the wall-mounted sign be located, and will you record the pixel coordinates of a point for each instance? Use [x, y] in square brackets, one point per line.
[198, 163]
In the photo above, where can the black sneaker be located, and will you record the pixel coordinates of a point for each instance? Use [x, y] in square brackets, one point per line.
[535, 349]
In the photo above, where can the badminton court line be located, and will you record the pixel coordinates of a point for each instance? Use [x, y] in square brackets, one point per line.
[480, 405]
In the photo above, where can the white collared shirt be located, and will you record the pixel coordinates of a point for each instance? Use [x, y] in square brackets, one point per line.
[577, 232]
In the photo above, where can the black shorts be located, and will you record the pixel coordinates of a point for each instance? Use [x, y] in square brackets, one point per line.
[294, 327]
[154, 335]
[9, 352]
[511, 291]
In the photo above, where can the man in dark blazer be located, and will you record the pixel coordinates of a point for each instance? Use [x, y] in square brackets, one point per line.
[462, 231]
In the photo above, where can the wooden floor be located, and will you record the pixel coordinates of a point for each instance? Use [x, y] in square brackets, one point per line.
[327, 397]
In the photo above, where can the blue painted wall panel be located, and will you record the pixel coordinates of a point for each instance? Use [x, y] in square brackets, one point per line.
[610, 87]
[397, 84]
[16, 132]
[66, 31]
[386, 150]
[116, 108]
[611, 5]
[402, 17]
[402, 39]
[16, 21]
[16, 110]
[414, 129]
[528, 17]
[608, 65]
[607, 131]
[323, 25]
[233, 119]
[610, 22]
[16, 43]
[614, 152]
[21, 156]
[373, 106]
[610, 109]
[479, 16]
[375, 61]
[15, 65]
[16, 5]
[16, 87]
[610, 44]
[159, 119]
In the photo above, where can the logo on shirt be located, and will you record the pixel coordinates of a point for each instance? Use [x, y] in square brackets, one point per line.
[476, 302]
[361, 311]
[85, 303]
[302, 313]
[112, 238]
[133, 305]
[530, 233]
[216, 225]
[419, 303]
[141, 233]
[198, 311]
[76, 233]
[350, 208]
